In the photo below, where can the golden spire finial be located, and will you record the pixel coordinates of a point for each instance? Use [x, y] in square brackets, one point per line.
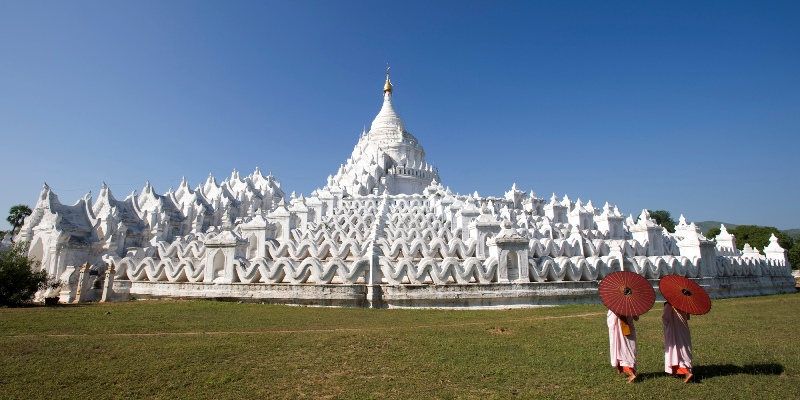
[388, 86]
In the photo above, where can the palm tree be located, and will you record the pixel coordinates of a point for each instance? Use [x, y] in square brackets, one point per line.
[16, 216]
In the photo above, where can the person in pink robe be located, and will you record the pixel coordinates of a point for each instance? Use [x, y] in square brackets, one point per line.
[677, 342]
[622, 340]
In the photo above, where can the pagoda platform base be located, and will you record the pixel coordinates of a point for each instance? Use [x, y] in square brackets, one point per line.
[451, 296]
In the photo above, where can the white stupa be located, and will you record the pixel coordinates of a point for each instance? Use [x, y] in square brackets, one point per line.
[387, 158]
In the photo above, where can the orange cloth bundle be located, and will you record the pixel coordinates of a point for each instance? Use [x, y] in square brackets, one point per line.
[623, 324]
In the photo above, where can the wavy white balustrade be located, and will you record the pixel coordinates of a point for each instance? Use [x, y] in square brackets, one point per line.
[739, 266]
[435, 248]
[155, 270]
[288, 270]
[543, 269]
[411, 233]
[455, 268]
[335, 234]
[560, 269]
[655, 267]
[440, 272]
[180, 249]
[306, 249]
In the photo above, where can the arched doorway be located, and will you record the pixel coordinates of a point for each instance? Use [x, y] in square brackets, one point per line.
[512, 266]
[36, 252]
[219, 266]
[252, 247]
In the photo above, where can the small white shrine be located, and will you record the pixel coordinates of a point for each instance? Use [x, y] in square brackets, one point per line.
[383, 232]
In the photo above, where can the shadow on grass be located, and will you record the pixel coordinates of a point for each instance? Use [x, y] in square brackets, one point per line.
[649, 375]
[709, 371]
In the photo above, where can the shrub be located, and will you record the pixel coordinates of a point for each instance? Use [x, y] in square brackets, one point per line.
[794, 256]
[20, 278]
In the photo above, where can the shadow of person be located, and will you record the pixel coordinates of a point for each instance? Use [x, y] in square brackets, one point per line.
[710, 371]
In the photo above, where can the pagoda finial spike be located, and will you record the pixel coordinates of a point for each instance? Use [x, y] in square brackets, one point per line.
[387, 87]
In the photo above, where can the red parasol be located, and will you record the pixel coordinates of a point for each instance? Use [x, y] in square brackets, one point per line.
[627, 293]
[684, 294]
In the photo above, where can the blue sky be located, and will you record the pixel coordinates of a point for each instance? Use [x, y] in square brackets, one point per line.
[691, 107]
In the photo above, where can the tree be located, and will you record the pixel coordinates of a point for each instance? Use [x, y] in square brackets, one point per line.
[713, 232]
[16, 216]
[794, 256]
[758, 236]
[663, 218]
[20, 277]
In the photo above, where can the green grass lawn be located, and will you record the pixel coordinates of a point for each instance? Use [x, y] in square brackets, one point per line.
[744, 348]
